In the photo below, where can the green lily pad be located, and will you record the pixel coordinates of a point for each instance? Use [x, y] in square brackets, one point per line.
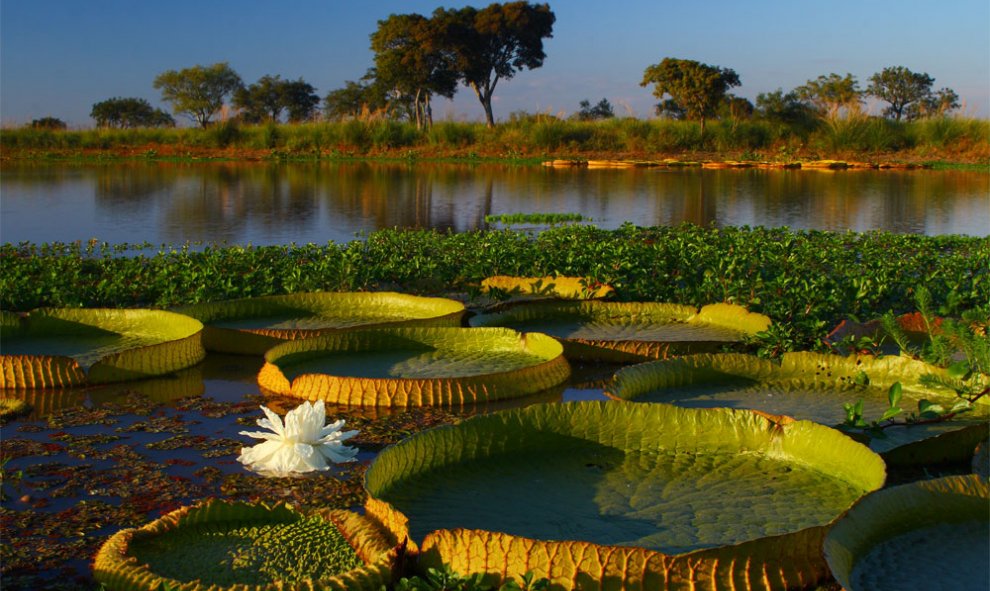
[251, 326]
[811, 387]
[652, 495]
[627, 331]
[571, 288]
[56, 348]
[931, 534]
[415, 366]
[220, 545]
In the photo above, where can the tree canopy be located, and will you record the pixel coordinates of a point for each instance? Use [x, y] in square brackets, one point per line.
[411, 59]
[495, 43]
[129, 112]
[697, 89]
[198, 92]
[830, 95]
[266, 99]
[909, 94]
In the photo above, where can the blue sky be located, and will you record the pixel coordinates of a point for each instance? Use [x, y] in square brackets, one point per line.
[58, 57]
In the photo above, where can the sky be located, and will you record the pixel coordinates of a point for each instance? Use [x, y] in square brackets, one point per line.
[59, 57]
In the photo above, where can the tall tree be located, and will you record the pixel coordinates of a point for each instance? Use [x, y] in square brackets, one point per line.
[411, 59]
[129, 112]
[495, 43]
[900, 87]
[261, 101]
[696, 88]
[300, 100]
[266, 99]
[198, 92]
[829, 95]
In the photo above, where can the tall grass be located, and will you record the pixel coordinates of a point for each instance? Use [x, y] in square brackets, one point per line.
[533, 135]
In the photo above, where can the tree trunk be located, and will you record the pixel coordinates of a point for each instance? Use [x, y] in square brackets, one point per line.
[417, 108]
[429, 112]
[485, 96]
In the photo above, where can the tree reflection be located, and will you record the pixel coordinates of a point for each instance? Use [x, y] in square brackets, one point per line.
[277, 203]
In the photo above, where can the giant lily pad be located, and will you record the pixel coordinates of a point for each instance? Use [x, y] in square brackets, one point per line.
[220, 545]
[932, 534]
[553, 286]
[630, 332]
[813, 387]
[415, 366]
[626, 496]
[57, 348]
[251, 326]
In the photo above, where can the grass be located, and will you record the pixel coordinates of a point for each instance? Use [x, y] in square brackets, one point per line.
[952, 139]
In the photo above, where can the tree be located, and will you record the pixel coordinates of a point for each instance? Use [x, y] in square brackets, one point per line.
[300, 100]
[411, 59]
[53, 123]
[936, 104]
[198, 92]
[735, 108]
[603, 110]
[270, 95]
[129, 112]
[494, 43]
[358, 98]
[829, 95]
[785, 109]
[696, 88]
[901, 88]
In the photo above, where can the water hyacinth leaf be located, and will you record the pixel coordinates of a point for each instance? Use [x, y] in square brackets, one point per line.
[640, 496]
[251, 326]
[809, 386]
[629, 331]
[415, 366]
[926, 534]
[58, 348]
[220, 545]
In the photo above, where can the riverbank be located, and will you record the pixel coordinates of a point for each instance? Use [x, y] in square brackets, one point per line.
[530, 140]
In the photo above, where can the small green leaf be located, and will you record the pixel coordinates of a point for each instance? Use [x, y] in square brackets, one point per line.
[894, 394]
[961, 406]
[862, 379]
[891, 413]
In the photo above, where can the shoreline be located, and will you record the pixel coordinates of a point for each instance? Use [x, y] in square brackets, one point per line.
[689, 159]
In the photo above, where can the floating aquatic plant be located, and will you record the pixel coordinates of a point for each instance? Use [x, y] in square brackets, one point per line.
[303, 443]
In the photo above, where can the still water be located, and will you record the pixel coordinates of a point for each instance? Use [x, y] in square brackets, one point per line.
[266, 203]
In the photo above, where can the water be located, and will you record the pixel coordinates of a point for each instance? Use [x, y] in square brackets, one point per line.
[269, 203]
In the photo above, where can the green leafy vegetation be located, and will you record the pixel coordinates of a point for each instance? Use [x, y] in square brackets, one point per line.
[776, 137]
[946, 341]
[805, 281]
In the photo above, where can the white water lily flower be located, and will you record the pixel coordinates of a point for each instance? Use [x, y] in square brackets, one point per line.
[303, 444]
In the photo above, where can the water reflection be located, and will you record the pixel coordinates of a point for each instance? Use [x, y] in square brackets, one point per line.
[272, 203]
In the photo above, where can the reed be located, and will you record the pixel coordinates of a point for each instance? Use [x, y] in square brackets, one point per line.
[527, 134]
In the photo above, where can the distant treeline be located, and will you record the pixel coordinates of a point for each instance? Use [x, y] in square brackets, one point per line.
[532, 136]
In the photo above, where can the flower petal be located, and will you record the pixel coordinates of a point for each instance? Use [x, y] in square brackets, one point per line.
[275, 422]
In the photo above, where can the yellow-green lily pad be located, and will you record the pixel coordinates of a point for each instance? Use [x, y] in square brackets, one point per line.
[931, 534]
[415, 366]
[625, 332]
[812, 387]
[58, 348]
[630, 496]
[251, 326]
[218, 545]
